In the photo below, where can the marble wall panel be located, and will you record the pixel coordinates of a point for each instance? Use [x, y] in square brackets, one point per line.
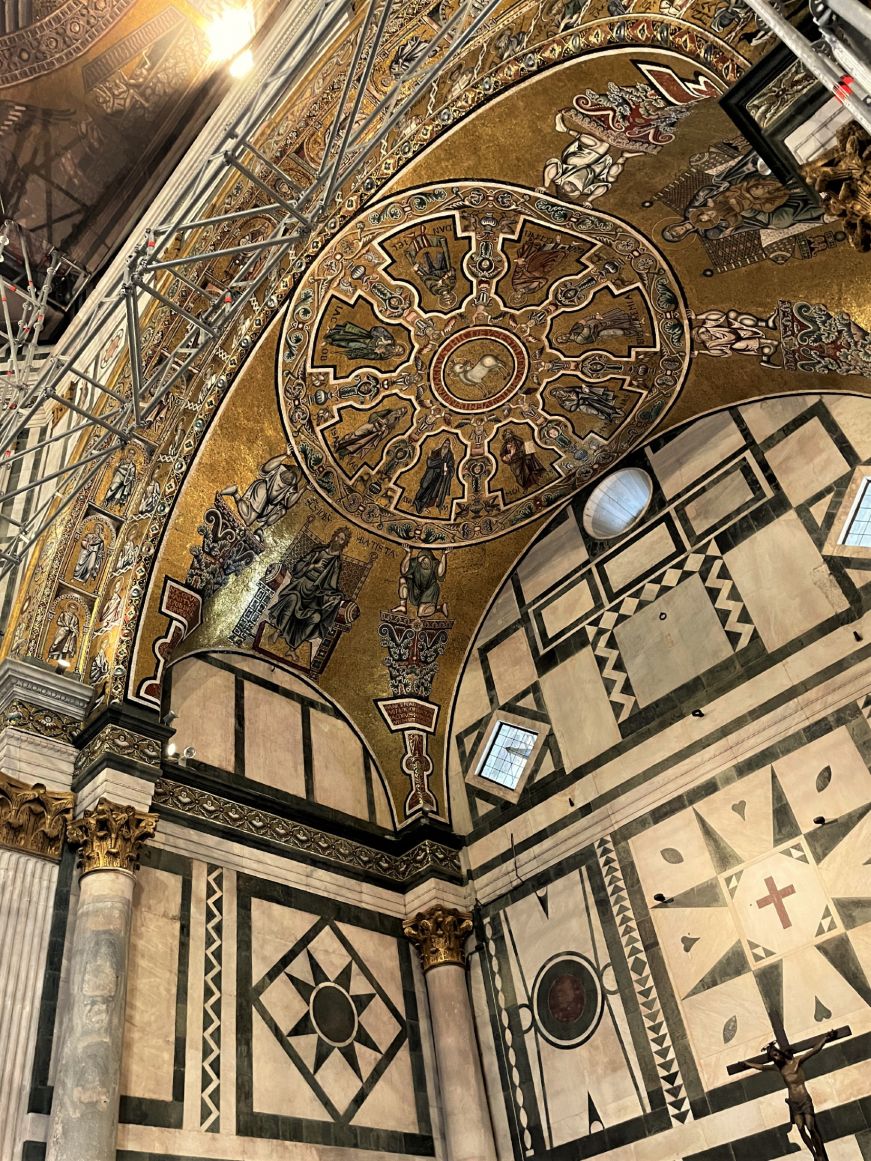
[784, 602]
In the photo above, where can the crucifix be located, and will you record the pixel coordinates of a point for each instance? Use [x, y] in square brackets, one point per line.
[788, 1060]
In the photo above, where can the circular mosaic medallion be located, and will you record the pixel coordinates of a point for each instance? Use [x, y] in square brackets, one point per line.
[462, 358]
[567, 1000]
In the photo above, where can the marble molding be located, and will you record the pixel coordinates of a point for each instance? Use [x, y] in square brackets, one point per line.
[110, 836]
[439, 935]
[33, 819]
[300, 839]
[116, 741]
[27, 687]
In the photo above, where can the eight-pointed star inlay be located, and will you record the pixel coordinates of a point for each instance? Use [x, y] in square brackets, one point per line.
[333, 1014]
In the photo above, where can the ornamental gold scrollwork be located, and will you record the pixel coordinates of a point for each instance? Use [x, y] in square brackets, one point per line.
[439, 935]
[842, 178]
[32, 818]
[110, 836]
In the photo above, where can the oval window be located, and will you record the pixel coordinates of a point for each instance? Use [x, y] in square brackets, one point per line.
[617, 503]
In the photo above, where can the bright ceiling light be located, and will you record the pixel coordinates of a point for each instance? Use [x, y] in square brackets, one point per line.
[228, 33]
[242, 65]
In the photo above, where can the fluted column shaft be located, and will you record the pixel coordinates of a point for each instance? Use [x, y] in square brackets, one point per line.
[27, 887]
[84, 1114]
[439, 934]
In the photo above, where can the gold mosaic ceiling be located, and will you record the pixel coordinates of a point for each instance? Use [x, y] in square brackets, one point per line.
[564, 248]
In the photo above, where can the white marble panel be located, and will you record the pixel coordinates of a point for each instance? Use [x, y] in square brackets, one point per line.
[204, 699]
[579, 710]
[337, 762]
[853, 416]
[512, 666]
[152, 986]
[557, 554]
[783, 602]
[805, 461]
[639, 557]
[502, 612]
[695, 452]
[827, 778]
[769, 415]
[273, 740]
[660, 654]
[718, 501]
[572, 604]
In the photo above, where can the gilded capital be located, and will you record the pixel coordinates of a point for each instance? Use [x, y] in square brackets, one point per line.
[32, 818]
[110, 836]
[439, 935]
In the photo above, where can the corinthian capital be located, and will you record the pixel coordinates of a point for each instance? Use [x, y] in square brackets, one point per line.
[32, 818]
[439, 934]
[110, 836]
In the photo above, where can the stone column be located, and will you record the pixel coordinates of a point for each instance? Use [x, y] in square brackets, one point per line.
[84, 1115]
[439, 934]
[32, 825]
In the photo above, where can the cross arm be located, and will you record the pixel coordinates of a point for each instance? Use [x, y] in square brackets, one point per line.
[815, 1043]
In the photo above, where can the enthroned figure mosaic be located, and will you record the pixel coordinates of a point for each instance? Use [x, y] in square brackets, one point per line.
[464, 356]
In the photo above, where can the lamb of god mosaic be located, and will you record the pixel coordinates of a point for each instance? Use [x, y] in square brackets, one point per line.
[462, 357]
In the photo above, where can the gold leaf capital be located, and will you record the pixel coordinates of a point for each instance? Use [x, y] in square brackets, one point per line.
[110, 836]
[32, 818]
[439, 935]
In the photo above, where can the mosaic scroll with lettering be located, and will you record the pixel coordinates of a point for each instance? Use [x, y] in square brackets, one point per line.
[464, 356]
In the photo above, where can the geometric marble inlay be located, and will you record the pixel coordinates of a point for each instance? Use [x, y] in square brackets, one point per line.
[780, 903]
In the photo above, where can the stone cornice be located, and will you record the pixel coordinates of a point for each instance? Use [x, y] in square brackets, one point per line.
[110, 836]
[38, 687]
[34, 819]
[426, 856]
[120, 736]
[439, 935]
[38, 721]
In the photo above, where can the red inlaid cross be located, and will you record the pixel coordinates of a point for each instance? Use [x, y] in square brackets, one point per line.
[776, 895]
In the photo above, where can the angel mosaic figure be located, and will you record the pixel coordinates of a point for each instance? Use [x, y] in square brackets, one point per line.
[121, 484]
[364, 342]
[801, 1108]
[378, 427]
[610, 324]
[66, 637]
[525, 465]
[92, 552]
[270, 496]
[420, 577]
[431, 258]
[598, 401]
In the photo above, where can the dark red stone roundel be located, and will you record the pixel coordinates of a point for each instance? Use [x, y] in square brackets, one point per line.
[565, 998]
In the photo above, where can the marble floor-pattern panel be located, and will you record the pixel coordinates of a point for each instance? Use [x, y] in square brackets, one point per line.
[780, 601]
[695, 451]
[658, 658]
[769, 415]
[717, 501]
[767, 924]
[560, 552]
[328, 1047]
[576, 1049]
[806, 461]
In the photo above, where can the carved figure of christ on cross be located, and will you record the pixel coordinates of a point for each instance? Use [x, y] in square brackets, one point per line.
[788, 1060]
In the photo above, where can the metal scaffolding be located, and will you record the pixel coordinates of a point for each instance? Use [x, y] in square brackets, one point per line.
[172, 265]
